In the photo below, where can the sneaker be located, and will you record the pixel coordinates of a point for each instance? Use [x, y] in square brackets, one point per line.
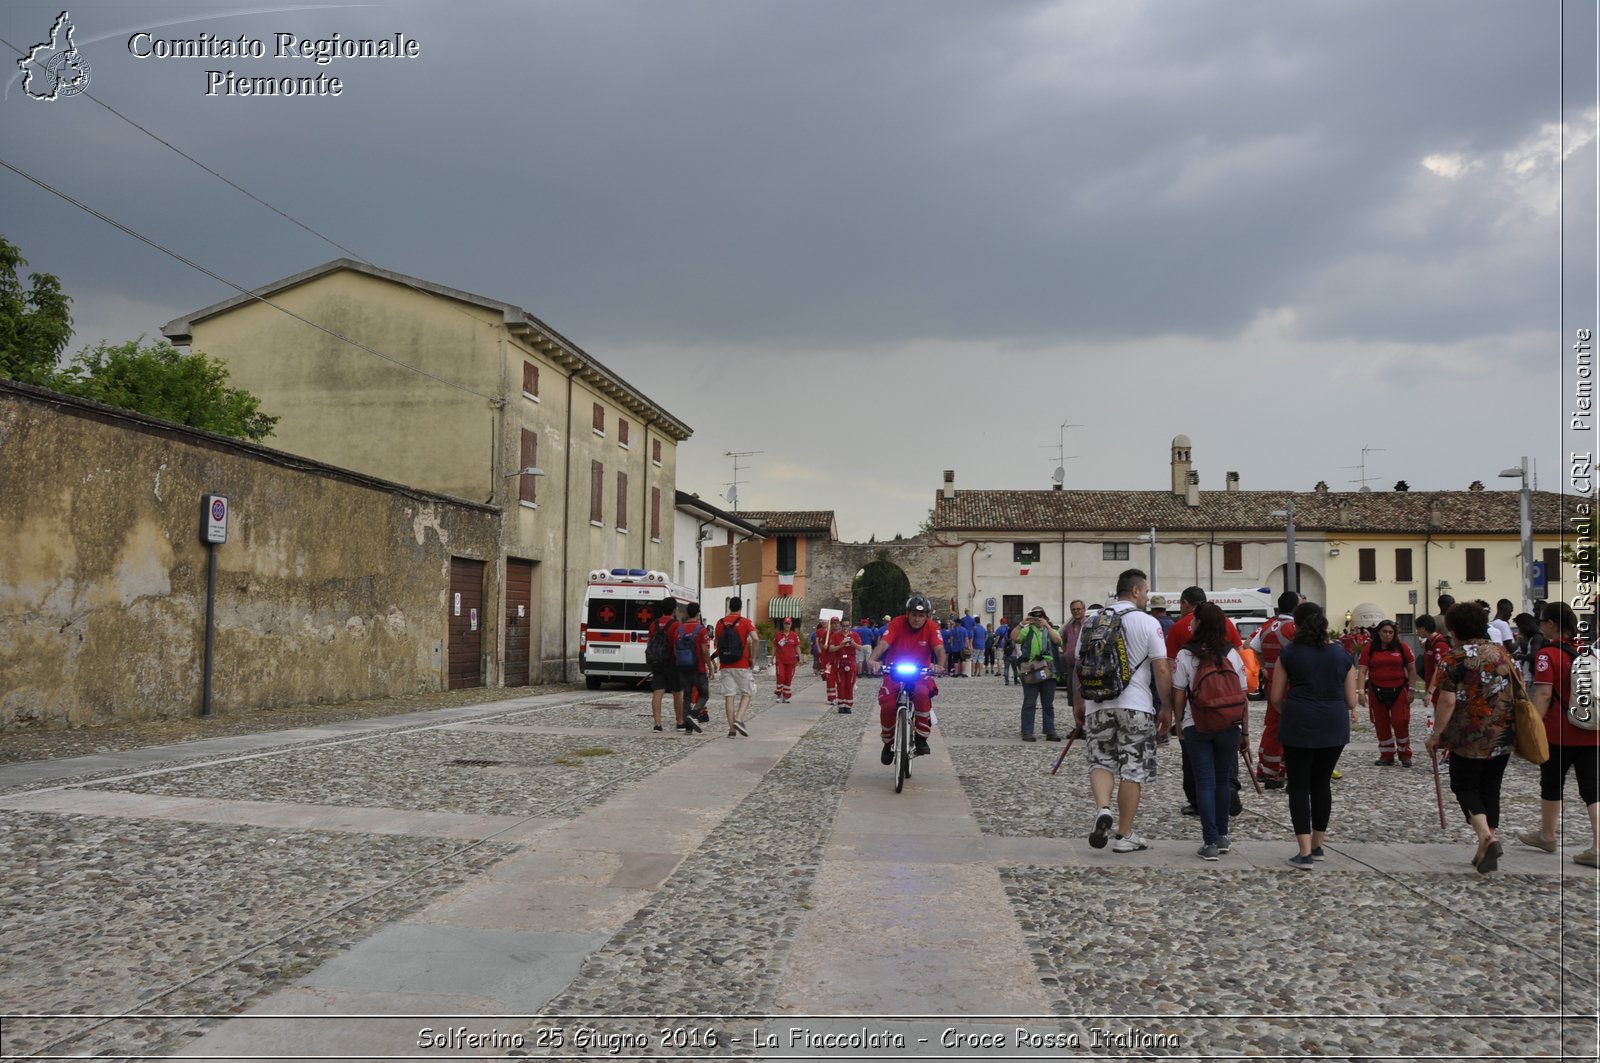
[690, 726]
[1052, 738]
[738, 725]
[921, 746]
[1102, 829]
[1318, 854]
[887, 756]
[1190, 810]
[1405, 762]
[704, 715]
[1028, 737]
[1272, 784]
[1235, 808]
[1209, 851]
[1383, 762]
[657, 727]
[1535, 839]
[1224, 844]
[732, 733]
[844, 710]
[1130, 844]
[1588, 858]
[1301, 863]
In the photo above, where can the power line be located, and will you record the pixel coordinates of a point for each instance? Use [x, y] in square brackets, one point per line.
[236, 287]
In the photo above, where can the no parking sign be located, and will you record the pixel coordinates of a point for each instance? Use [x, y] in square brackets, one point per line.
[214, 519]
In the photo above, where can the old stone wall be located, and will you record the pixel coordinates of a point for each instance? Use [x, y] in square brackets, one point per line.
[332, 586]
[929, 566]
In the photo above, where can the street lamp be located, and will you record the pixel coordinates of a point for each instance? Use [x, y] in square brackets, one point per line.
[1291, 576]
[531, 470]
[1527, 533]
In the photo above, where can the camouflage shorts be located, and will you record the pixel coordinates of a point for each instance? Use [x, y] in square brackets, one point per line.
[1123, 742]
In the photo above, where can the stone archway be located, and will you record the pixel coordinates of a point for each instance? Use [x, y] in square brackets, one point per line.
[930, 568]
[881, 589]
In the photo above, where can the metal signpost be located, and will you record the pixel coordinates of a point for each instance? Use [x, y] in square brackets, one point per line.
[213, 532]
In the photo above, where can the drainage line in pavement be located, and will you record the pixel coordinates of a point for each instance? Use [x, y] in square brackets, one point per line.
[223, 965]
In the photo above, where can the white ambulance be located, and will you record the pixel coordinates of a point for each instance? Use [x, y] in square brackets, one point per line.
[619, 605]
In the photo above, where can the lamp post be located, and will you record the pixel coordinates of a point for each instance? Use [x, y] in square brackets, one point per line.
[1291, 575]
[1527, 532]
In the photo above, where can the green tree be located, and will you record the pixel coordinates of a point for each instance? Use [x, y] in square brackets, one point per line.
[35, 322]
[882, 588]
[926, 527]
[160, 380]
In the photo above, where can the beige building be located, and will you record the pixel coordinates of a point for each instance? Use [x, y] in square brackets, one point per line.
[455, 393]
[1019, 549]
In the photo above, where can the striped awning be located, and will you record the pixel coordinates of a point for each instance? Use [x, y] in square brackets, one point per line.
[778, 608]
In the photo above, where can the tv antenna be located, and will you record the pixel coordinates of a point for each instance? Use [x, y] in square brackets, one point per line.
[732, 495]
[1059, 477]
[1362, 480]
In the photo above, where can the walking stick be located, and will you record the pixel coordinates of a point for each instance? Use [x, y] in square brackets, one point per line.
[1244, 752]
[1438, 791]
[1071, 738]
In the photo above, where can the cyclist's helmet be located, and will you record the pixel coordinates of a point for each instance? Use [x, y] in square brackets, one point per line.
[918, 603]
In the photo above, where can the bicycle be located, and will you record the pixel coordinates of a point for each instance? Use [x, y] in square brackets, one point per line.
[906, 676]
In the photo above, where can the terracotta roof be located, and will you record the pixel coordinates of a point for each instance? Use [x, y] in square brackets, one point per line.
[804, 522]
[1466, 512]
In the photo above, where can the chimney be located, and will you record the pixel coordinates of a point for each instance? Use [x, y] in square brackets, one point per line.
[1233, 481]
[1321, 488]
[1191, 490]
[949, 483]
[1181, 450]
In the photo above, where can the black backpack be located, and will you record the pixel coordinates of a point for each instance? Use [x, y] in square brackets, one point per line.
[730, 646]
[658, 651]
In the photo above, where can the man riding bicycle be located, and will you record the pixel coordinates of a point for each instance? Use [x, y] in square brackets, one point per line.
[910, 639]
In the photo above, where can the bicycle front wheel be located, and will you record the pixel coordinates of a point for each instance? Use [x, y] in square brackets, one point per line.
[902, 743]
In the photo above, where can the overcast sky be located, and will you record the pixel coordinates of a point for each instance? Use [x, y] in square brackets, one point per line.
[873, 240]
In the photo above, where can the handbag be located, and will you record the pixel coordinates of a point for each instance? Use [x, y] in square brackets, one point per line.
[1036, 671]
[1531, 743]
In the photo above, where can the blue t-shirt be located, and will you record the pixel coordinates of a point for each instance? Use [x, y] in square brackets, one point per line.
[1315, 714]
[980, 637]
[957, 640]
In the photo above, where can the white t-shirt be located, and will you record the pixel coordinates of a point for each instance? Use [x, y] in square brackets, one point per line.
[1183, 669]
[1500, 632]
[1146, 642]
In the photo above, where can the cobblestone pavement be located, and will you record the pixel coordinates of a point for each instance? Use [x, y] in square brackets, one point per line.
[544, 877]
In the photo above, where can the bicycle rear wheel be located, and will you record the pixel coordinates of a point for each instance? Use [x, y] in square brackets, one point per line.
[902, 752]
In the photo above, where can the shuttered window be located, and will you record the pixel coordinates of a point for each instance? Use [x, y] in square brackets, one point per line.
[622, 431]
[1552, 565]
[622, 501]
[530, 379]
[1369, 566]
[655, 514]
[597, 484]
[1402, 567]
[599, 419]
[1475, 564]
[528, 485]
[1233, 557]
[655, 451]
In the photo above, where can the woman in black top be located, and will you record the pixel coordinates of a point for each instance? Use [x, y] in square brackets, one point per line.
[1315, 682]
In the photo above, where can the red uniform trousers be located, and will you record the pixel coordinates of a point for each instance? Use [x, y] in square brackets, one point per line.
[1392, 722]
[921, 702]
[844, 679]
[783, 683]
[1269, 755]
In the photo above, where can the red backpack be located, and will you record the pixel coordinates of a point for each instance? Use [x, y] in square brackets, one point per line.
[1216, 700]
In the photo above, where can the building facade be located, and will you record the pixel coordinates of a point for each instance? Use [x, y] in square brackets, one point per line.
[701, 526]
[1395, 551]
[470, 397]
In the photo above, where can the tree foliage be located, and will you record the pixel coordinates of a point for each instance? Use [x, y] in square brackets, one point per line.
[35, 322]
[881, 589]
[160, 380]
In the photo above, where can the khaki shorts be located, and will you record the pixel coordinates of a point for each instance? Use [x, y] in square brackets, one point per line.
[736, 681]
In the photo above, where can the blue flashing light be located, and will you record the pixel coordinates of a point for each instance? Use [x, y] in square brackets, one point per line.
[619, 572]
[637, 572]
[906, 669]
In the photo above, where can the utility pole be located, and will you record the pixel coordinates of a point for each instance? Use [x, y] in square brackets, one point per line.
[732, 498]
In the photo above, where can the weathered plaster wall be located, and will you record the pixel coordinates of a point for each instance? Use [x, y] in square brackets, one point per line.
[331, 586]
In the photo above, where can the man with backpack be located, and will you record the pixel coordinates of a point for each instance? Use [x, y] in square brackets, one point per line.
[1122, 667]
[659, 655]
[693, 653]
[736, 648]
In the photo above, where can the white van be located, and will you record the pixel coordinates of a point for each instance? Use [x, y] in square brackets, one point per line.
[619, 605]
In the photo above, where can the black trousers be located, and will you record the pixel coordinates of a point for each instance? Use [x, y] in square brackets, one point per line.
[1476, 784]
[1311, 785]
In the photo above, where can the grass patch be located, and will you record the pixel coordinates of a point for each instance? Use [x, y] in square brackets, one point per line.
[594, 751]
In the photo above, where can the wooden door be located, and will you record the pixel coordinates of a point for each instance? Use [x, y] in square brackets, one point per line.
[519, 620]
[465, 619]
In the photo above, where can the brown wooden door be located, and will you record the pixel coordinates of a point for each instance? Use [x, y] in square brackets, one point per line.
[464, 614]
[519, 620]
